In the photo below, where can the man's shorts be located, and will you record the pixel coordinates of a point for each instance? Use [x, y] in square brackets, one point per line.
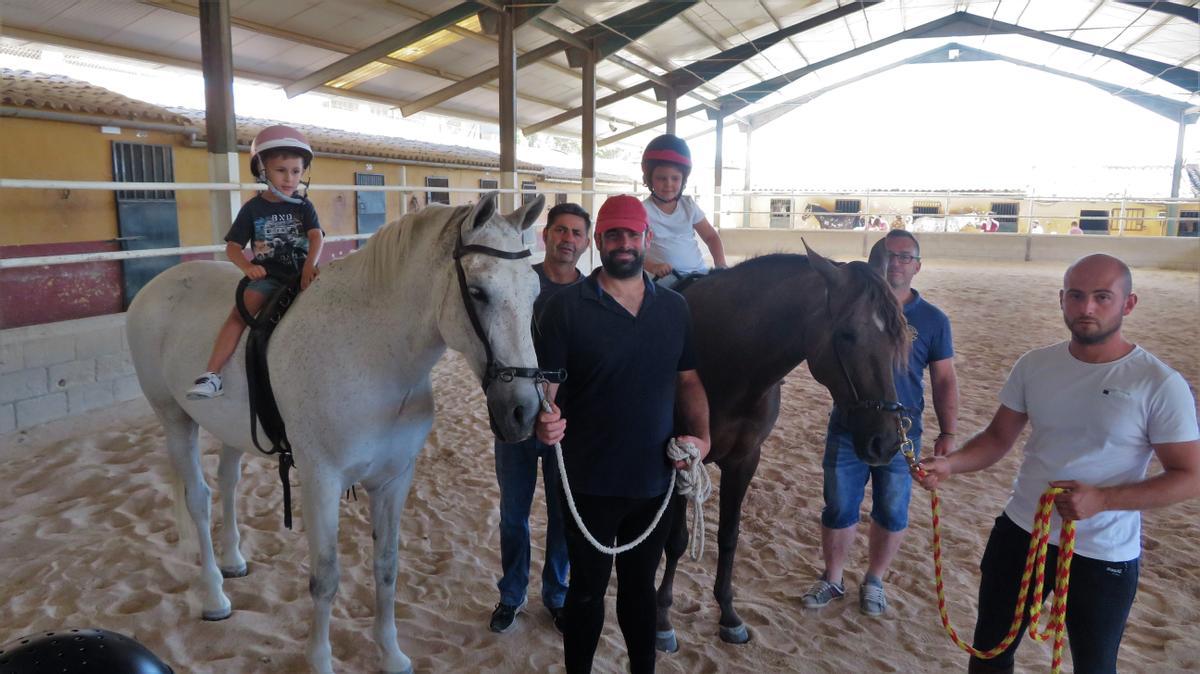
[845, 485]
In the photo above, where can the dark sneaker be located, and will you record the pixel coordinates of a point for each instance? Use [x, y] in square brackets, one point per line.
[504, 617]
[871, 599]
[821, 593]
[559, 616]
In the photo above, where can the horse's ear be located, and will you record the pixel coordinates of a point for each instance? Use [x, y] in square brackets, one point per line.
[827, 269]
[878, 259]
[484, 209]
[528, 213]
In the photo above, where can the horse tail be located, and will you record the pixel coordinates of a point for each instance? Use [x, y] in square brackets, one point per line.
[188, 541]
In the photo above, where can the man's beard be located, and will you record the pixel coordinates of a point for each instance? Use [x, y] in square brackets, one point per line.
[623, 270]
[1088, 339]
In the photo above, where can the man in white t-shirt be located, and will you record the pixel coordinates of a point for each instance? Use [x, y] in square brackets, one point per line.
[1100, 407]
[675, 219]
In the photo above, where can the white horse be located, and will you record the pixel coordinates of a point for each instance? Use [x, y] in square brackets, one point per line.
[350, 366]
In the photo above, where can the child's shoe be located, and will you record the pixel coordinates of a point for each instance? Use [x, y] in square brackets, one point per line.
[207, 386]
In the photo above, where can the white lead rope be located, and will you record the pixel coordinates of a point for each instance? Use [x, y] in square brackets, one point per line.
[693, 483]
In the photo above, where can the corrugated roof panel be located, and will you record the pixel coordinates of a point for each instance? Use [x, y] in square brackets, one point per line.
[154, 31]
[98, 19]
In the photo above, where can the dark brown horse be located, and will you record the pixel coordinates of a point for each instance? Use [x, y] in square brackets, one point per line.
[753, 324]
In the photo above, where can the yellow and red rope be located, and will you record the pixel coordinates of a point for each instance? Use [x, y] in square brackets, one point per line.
[1034, 574]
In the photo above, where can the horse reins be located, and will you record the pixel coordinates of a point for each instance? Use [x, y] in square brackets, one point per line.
[492, 370]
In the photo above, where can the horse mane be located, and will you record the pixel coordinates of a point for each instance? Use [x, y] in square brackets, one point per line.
[374, 264]
[873, 294]
[876, 295]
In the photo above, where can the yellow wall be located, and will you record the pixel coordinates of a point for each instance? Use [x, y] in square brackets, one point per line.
[45, 150]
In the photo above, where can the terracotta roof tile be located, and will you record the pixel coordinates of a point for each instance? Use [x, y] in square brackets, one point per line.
[25, 89]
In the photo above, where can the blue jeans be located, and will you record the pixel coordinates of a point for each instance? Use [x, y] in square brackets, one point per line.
[846, 480]
[516, 471]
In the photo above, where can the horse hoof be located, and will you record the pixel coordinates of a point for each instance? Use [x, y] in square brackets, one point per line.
[213, 616]
[735, 635]
[235, 573]
[666, 642]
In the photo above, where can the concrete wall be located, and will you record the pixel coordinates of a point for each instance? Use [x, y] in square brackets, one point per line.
[52, 371]
[1163, 253]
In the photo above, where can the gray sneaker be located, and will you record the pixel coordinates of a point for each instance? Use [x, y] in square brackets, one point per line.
[871, 599]
[207, 386]
[821, 593]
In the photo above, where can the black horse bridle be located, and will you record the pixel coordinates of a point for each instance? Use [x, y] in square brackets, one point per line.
[494, 371]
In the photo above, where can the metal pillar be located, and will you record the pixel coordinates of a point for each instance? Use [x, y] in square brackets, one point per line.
[1176, 176]
[216, 51]
[508, 110]
[720, 141]
[672, 112]
[747, 201]
[588, 119]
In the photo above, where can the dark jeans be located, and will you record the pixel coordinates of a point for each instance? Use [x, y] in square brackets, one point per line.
[613, 520]
[1098, 601]
[516, 471]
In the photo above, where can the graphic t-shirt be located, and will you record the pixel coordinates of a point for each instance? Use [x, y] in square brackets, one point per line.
[279, 232]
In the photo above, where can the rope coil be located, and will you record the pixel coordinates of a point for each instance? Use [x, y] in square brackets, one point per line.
[692, 482]
[1033, 575]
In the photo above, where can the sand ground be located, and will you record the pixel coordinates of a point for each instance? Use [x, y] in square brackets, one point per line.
[88, 537]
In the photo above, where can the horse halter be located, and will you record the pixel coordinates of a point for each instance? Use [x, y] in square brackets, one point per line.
[493, 371]
[859, 405]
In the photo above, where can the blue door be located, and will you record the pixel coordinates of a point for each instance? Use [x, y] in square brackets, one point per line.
[372, 206]
[146, 219]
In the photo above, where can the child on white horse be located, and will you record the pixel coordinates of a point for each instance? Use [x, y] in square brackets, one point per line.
[286, 237]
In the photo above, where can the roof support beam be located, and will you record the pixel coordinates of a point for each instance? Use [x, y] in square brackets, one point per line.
[508, 107]
[1173, 8]
[191, 10]
[682, 80]
[608, 140]
[1165, 107]
[641, 20]
[216, 49]
[959, 24]
[382, 48]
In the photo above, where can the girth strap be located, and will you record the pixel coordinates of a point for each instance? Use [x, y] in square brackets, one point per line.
[263, 408]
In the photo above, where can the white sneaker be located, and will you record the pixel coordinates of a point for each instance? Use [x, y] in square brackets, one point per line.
[207, 386]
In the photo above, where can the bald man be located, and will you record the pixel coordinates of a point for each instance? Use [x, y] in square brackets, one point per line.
[1100, 407]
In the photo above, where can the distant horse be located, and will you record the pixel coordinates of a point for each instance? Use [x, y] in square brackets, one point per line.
[951, 223]
[832, 220]
[350, 366]
[753, 324]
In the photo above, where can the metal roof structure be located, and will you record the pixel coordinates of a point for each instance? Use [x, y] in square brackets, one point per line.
[736, 58]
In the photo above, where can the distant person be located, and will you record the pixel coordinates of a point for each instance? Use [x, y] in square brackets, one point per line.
[1036, 228]
[1075, 228]
[1100, 408]
[675, 219]
[282, 228]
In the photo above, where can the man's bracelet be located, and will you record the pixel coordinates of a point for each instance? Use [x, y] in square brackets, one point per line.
[945, 435]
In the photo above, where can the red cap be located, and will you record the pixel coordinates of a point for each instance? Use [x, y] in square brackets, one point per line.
[622, 212]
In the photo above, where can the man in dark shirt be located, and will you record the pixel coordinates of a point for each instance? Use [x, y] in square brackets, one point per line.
[566, 239]
[627, 348]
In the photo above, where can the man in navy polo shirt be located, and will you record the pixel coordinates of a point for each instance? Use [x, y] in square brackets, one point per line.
[846, 476]
[627, 348]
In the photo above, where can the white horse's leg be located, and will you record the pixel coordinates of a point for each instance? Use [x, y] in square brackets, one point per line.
[387, 504]
[321, 492]
[233, 565]
[181, 432]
